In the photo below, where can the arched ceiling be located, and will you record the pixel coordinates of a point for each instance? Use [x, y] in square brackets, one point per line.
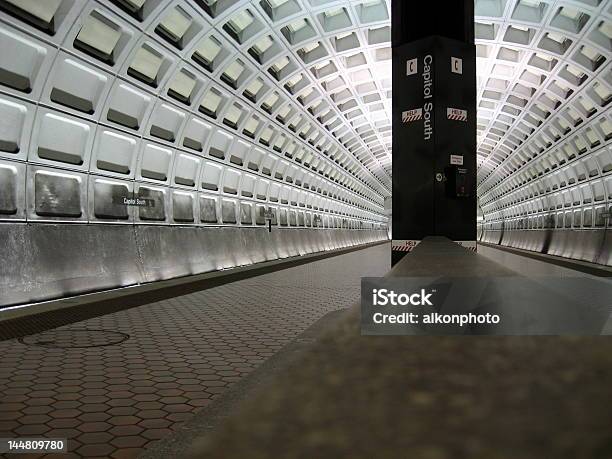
[314, 76]
[308, 80]
[544, 85]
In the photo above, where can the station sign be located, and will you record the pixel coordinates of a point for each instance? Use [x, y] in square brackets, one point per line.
[412, 67]
[133, 201]
[457, 65]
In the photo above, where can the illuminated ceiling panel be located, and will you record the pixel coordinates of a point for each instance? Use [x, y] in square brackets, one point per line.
[318, 73]
[544, 87]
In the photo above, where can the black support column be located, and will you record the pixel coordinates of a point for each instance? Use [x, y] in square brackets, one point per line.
[434, 122]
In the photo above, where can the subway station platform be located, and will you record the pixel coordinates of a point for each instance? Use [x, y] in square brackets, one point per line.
[274, 366]
[113, 385]
[426, 397]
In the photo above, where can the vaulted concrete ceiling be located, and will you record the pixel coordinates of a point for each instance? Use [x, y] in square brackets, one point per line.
[544, 87]
[312, 79]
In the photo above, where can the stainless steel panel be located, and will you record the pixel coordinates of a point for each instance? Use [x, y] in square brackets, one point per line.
[228, 211]
[157, 212]
[283, 217]
[169, 252]
[46, 260]
[57, 195]
[292, 242]
[254, 246]
[182, 207]
[108, 198]
[8, 190]
[208, 210]
[12, 190]
[246, 213]
[259, 215]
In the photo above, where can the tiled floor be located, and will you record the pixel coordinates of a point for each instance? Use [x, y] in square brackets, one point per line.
[114, 401]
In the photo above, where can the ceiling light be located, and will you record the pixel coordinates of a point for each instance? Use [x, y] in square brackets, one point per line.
[41, 9]
[233, 115]
[253, 88]
[210, 103]
[207, 51]
[334, 12]
[263, 44]
[280, 64]
[182, 86]
[298, 25]
[146, 63]
[97, 34]
[234, 70]
[175, 24]
[240, 21]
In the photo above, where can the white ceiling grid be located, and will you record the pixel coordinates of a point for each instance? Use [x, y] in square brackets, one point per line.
[347, 80]
[544, 87]
[311, 79]
[344, 134]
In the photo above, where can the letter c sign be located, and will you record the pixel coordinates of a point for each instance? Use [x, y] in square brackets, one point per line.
[411, 67]
[457, 65]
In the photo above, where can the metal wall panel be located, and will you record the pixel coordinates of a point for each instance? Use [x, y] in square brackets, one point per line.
[208, 209]
[183, 207]
[54, 194]
[12, 190]
[108, 198]
[45, 261]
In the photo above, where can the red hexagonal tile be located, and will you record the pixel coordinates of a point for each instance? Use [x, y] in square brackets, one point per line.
[129, 442]
[180, 416]
[93, 407]
[67, 404]
[178, 408]
[122, 431]
[64, 423]
[123, 411]
[102, 450]
[61, 414]
[127, 453]
[39, 401]
[32, 429]
[121, 402]
[123, 420]
[95, 437]
[156, 423]
[94, 417]
[63, 433]
[94, 427]
[156, 434]
[149, 405]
